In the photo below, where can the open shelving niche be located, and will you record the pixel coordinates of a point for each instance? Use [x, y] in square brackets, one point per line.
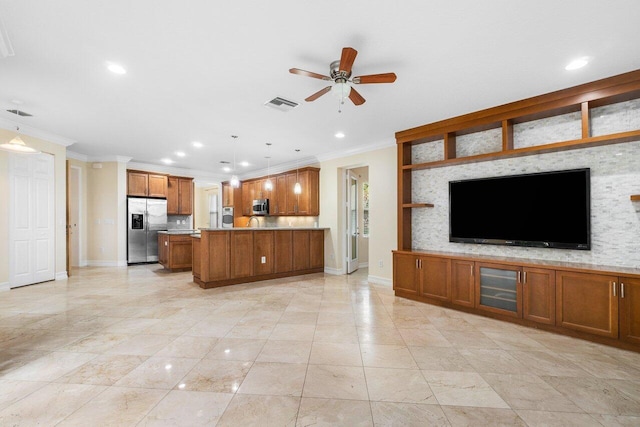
[501, 132]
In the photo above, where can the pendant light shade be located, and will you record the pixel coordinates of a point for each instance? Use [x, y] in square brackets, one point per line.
[297, 188]
[235, 182]
[17, 145]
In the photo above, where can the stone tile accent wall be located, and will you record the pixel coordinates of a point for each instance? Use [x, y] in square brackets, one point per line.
[431, 152]
[488, 141]
[621, 117]
[565, 127]
[615, 219]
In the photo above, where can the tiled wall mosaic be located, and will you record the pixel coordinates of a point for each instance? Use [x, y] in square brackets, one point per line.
[615, 175]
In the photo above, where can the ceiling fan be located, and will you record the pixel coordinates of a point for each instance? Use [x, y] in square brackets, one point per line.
[340, 72]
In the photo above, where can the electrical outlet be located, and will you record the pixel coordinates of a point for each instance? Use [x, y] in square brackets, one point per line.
[380, 264]
[331, 256]
[263, 259]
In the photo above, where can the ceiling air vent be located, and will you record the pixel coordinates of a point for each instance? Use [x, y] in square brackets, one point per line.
[20, 113]
[281, 104]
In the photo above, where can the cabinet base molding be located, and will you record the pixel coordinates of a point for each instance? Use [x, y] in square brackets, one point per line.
[240, 280]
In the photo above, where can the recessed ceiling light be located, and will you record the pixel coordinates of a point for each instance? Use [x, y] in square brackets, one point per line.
[116, 68]
[180, 153]
[339, 135]
[166, 161]
[244, 164]
[197, 144]
[577, 63]
[226, 169]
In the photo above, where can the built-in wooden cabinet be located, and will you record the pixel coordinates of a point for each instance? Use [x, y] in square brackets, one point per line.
[239, 256]
[278, 204]
[592, 303]
[175, 251]
[145, 184]
[179, 196]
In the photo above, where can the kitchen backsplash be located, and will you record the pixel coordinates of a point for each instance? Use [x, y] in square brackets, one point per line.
[179, 222]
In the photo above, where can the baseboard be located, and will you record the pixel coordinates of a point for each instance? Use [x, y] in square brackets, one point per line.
[380, 281]
[363, 264]
[333, 271]
[61, 275]
[4, 286]
[96, 263]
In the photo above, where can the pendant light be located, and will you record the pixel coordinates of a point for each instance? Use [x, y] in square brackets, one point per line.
[268, 185]
[16, 144]
[235, 182]
[297, 189]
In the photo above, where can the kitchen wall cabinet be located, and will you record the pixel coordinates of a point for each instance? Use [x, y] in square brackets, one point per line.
[179, 196]
[248, 195]
[145, 184]
[175, 251]
[278, 205]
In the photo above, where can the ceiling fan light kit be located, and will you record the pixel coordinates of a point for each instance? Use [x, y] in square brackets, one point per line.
[340, 74]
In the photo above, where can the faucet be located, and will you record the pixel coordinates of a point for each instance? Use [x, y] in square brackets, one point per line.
[251, 219]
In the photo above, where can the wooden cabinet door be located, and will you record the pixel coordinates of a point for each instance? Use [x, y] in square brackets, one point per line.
[405, 278]
[180, 255]
[227, 195]
[137, 184]
[185, 200]
[539, 295]
[247, 198]
[173, 196]
[301, 248]
[314, 193]
[587, 302]
[629, 298]
[263, 252]
[163, 248]
[316, 248]
[292, 198]
[157, 185]
[283, 251]
[435, 278]
[241, 254]
[304, 197]
[463, 283]
[215, 254]
[279, 204]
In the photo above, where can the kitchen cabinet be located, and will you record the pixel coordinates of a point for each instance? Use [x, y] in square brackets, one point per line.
[196, 260]
[263, 251]
[278, 204]
[308, 201]
[630, 309]
[145, 184]
[283, 250]
[179, 196]
[242, 254]
[248, 195]
[463, 283]
[228, 195]
[175, 251]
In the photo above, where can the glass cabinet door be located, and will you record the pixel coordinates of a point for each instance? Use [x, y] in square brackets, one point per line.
[499, 288]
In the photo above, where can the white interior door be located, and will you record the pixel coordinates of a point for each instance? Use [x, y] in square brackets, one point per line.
[352, 222]
[31, 219]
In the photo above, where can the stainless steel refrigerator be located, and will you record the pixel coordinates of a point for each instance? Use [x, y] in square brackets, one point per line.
[145, 218]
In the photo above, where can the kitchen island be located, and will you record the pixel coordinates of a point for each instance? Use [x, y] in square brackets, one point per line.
[174, 249]
[231, 256]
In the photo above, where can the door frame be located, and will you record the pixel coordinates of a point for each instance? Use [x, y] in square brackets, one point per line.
[78, 228]
[343, 185]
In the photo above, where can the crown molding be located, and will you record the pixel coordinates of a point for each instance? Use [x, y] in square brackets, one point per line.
[36, 133]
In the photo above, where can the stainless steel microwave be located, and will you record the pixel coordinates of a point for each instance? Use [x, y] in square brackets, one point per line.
[261, 207]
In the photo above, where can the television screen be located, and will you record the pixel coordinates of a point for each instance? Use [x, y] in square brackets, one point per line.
[549, 210]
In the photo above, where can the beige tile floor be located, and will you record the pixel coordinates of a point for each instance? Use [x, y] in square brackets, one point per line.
[142, 347]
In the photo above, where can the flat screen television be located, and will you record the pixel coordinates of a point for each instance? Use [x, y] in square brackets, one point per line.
[546, 210]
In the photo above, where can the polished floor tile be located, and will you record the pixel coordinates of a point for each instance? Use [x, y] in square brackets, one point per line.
[140, 346]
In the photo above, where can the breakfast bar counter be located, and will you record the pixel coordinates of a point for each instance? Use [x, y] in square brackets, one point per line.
[229, 256]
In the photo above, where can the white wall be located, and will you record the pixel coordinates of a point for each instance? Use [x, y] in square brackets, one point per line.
[382, 211]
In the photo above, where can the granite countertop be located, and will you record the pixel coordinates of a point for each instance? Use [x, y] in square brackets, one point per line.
[263, 228]
[178, 232]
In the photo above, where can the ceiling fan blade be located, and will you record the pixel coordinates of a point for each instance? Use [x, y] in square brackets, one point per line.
[375, 78]
[318, 94]
[346, 61]
[356, 98]
[308, 74]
